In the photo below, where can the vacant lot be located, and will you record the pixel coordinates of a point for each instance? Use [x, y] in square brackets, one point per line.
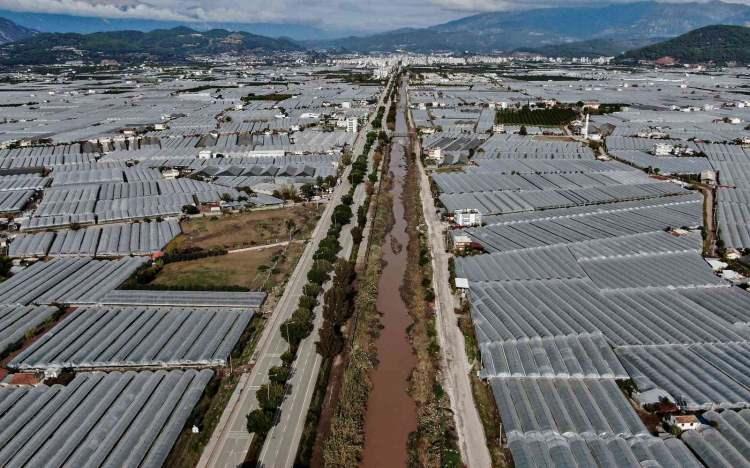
[258, 270]
[249, 229]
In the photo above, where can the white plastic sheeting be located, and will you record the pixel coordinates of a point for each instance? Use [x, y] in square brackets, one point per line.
[495, 202]
[67, 281]
[530, 264]
[16, 321]
[113, 240]
[596, 407]
[544, 228]
[13, 201]
[117, 419]
[698, 377]
[572, 450]
[104, 337]
[727, 443]
[576, 356]
[675, 270]
[246, 300]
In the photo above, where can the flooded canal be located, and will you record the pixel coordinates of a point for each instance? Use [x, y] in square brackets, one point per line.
[391, 412]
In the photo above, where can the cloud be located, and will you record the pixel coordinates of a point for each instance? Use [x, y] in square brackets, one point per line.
[364, 15]
[476, 6]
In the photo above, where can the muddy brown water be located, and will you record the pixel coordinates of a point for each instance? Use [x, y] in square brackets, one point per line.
[391, 412]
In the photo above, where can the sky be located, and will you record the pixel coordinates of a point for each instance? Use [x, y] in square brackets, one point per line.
[352, 15]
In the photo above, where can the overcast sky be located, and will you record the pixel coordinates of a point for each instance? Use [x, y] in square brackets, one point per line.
[363, 15]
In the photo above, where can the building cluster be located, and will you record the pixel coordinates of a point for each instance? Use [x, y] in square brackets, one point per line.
[582, 259]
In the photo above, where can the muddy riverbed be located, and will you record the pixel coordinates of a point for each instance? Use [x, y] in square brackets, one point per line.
[391, 412]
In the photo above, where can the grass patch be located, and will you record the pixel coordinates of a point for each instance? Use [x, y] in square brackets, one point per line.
[257, 270]
[248, 229]
[435, 442]
[483, 398]
[490, 417]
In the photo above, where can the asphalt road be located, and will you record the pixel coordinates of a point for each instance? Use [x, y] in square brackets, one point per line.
[230, 441]
[455, 363]
[283, 440]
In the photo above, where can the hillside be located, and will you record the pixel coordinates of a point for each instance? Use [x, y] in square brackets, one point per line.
[605, 47]
[175, 44]
[718, 44]
[10, 31]
[508, 31]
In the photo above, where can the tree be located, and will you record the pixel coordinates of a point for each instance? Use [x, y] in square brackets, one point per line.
[5, 265]
[342, 214]
[270, 396]
[357, 234]
[330, 343]
[307, 191]
[259, 422]
[279, 374]
[190, 209]
[291, 227]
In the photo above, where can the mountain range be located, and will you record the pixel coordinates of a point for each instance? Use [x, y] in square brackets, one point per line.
[10, 31]
[164, 45]
[617, 26]
[608, 30]
[51, 22]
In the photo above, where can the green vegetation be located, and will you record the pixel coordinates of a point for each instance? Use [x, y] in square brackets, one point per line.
[539, 118]
[6, 263]
[718, 44]
[434, 443]
[343, 444]
[336, 309]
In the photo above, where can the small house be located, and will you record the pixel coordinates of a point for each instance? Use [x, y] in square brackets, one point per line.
[686, 422]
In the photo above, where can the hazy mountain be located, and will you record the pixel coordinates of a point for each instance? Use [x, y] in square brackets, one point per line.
[710, 44]
[48, 22]
[508, 31]
[163, 44]
[10, 31]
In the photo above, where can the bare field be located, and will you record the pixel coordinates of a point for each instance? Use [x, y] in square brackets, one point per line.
[258, 270]
[249, 229]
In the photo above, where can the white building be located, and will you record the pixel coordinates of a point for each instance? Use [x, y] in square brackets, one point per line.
[663, 149]
[467, 218]
[435, 155]
[686, 422]
[170, 174]
[352, 125]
